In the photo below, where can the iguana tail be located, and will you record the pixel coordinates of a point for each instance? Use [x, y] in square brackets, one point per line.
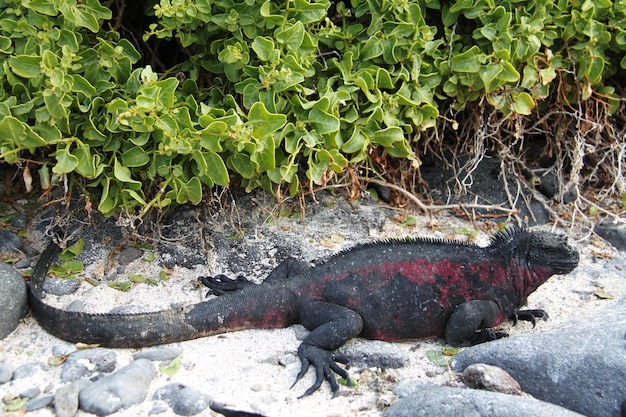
[255, 307]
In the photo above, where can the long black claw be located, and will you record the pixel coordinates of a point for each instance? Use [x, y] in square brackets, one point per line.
[529, 315]
[325, 367]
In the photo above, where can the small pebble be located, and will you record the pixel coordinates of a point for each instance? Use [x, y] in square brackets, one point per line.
[58, 286]
[30, 370]
[128, 255]
[76, 305]
[119, 390]
[30, 393]
[490, 378]
[183, 400]
[66, 398]
[159, 353]
[6, 372]
[38, 403]
[90, 364]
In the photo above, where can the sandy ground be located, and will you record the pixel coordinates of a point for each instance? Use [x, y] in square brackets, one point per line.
[253, 370]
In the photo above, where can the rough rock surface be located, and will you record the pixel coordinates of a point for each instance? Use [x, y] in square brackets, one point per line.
[118, 390]
[582, 367]
[12, 299]
[184, 400]
[429, 401]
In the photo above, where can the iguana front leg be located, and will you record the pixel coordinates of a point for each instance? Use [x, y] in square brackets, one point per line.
[471, 316]
[331, 326]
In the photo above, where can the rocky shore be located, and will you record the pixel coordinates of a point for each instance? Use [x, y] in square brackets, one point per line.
[572, 364]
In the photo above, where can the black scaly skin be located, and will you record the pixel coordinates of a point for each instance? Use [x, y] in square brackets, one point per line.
[388, 290]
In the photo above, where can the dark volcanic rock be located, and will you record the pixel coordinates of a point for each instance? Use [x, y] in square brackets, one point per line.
[612, 233]
[485, 185]
[582, 368]
[9, 242]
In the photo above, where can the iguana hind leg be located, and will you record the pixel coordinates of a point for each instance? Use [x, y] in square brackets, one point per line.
[469, 323]
[222, 284]
[331, 326]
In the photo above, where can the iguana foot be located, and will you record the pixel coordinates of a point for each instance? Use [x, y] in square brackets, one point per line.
[324, 363]
[221, 284]
[529, 315]
[487, 335]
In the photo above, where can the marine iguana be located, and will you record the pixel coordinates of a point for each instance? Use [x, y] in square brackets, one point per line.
[389, 290]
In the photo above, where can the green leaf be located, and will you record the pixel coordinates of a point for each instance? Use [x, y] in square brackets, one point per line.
[387, 137]
[122, 173]
[306, 12]
[172, 368]
[263, 122]
[324, 122]
[210, 164]
[19, 133]
[72, 251]
[137, 278]
[291, 37]
[120, 286]
[467, 62]
[67, 269]
[26, 66]
[242, 164]
[135, 157]
[263, 47]
[66, 162]
[190, 192]
[46, 7]
[523, 103]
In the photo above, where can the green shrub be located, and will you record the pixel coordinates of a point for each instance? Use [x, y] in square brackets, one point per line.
[278, 94]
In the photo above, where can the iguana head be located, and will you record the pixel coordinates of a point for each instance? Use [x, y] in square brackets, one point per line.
[534, 256]
[550, 251]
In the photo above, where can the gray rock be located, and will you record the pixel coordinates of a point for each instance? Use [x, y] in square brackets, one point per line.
[616, 265]
[582, 367]
[613, 233]
[90, 364]
[429, 401]
[59, 286]
[63, 349]
[13, 299]
[22, 263]
[29, 370]
[66, 398]
[183, 400]
[6, 372]
[111, 275]
[30, 393]
[374, 353]
[19, 221]
[127, 255]
[38, 403]
[9, 242]
[159, 353]
[76, 305]
[129, 309]
[118, 391]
